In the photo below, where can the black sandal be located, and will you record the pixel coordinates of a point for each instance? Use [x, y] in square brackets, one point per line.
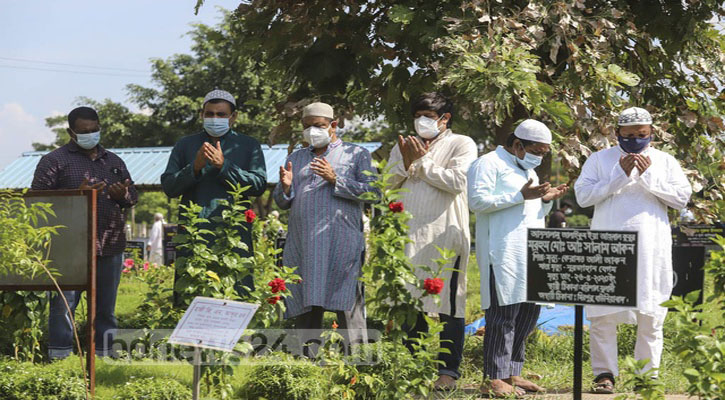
[604, 384]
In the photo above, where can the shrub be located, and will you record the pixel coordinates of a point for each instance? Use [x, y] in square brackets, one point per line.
[700, 333]
[26, 381]
[24, 249]
[283, 378]
[154, 389]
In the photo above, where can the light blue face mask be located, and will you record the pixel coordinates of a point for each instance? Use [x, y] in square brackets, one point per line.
[216, 127]
[530, 161]
[88, 140]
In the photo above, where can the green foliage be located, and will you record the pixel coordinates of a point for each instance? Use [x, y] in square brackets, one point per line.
[24, 245]
[150, 203]
[700, 334]
[156, 310]
[395, 300]
[388, 273]
[490, 71]
[716, 268]
[23, 314]
[282, 377]
[645, 383]
[213, 264]
[577, 220]
[153, 389]
[26, 381]
[573, 64]
[24, 249]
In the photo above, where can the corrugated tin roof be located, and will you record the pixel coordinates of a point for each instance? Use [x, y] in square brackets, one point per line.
[146, 164]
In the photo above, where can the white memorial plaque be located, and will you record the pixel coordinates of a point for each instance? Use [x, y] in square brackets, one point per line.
[213, 323]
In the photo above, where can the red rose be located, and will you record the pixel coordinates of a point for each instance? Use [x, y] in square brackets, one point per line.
[250, 215]
[273, 300]
[277, 285]
[396, 206]
[433, 286]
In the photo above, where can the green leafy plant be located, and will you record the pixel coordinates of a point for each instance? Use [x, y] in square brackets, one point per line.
[700, 333]
[24, 313]
[212, 264]
[153, 389]
[646, 385]
[26, 381]
[24, 245]
[285, 378]
[24, 250]
[395, 300]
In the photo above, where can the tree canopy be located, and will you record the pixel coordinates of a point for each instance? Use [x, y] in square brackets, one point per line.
[573, 64]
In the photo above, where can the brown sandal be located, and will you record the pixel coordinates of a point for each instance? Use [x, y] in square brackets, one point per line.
[603, 384]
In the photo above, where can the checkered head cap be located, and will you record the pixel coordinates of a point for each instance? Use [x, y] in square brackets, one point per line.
[219, 94]
[635, 116]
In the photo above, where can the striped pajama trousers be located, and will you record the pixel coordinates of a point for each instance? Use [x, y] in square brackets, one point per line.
[504, 342]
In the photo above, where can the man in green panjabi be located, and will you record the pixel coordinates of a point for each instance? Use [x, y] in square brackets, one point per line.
[203, 166]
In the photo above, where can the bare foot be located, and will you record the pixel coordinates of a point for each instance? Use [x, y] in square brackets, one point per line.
[499, 388]
[524, 384]
[445, 382]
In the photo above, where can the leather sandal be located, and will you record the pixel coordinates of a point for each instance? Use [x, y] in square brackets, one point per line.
[604, 384]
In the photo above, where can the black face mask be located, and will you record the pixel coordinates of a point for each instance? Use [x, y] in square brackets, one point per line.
[633, 145]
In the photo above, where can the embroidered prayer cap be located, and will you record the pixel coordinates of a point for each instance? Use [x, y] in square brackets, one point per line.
[219, 94]
[534, 131]
[634, 116]
[318, 110]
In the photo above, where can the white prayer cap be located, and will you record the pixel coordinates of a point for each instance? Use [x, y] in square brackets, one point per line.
[221, 95]
[534, 131]
[318, 110]
[634, 116]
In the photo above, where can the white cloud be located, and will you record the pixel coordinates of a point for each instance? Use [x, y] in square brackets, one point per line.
[18, 130]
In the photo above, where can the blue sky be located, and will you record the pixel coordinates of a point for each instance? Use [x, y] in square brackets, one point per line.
[110, 34]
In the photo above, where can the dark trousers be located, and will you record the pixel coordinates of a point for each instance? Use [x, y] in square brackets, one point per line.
[504, 343]
[452, 336]
[61, 341]
[351, 323]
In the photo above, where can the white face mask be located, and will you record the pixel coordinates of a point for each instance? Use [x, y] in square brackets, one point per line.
[316, 137]
[568, 211]
[88, 140]
[530, 161]
[427, 128]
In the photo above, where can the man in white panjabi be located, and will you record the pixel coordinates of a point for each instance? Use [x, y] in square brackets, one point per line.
[631, 186]
[432, 167]
[505, 194]
[155, 246]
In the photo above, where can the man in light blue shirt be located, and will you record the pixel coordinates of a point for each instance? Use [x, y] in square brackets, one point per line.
[505, 194]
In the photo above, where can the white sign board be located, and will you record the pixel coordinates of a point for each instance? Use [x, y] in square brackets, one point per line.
[213, 323]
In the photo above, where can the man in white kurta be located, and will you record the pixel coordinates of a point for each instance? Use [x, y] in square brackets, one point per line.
[156, 240]
[432, 167]
[630, 187]
[505, 194]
